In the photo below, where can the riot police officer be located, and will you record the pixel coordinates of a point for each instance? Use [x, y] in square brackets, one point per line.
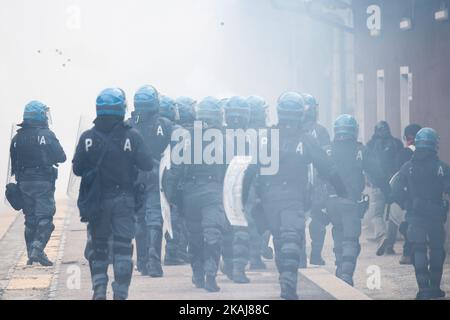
[352, 161]
[156, 131]
[281, 192]
[409, 135]
[236, 240]
[168, 109]
[186, 118]
[117, 151]
[186, 106]
[419, 187]
[35, 152]
[202, 183]
[319, 219]
[257, 224]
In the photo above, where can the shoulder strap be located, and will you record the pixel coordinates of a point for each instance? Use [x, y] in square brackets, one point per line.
[106, 138]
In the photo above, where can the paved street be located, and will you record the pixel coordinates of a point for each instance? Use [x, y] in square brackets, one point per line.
[69, 278]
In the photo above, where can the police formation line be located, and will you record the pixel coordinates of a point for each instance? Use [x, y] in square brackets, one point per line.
[120, 192]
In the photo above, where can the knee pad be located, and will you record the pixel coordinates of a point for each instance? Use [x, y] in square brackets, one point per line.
[29, 233]
[100, 249]
[241, 237]
[122, 246]
[123, 268]
[212, 236]
[291, 236]
[46, 223]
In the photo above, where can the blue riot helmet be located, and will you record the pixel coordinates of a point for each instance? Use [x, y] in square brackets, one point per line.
[290, 108]
[146, 100]
[382, 129]
[258, 108]
[311, 108]
[210, 112]
[111, 102]
[427, 138]
[185, 106]
[237, 112]
[125, 98]
[36, 111]
[346, 128]
[168, 108]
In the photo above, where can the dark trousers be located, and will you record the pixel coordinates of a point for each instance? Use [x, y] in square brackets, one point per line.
[427, 236]
[116, 221]
[39, 209]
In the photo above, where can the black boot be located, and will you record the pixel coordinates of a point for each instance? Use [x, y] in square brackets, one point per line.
[39, 257]
[142, 268]
[211, 284]
[257, 264]
[154, 269]
[154, 253]
[141, 248]
[226, 267]
[239, 275]
[424, 294]
[29, 237]
[99, 292]
[171, 258]
[198, 279]
[288, 284]
[346, 278]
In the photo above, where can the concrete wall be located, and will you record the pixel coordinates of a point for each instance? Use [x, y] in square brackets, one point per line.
[424, 49]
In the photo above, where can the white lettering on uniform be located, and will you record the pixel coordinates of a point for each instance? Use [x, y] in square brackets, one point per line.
[127, 146]
[160, 131]
[41, 140]
[88, 144]
[440, 171]
[299, 148]
[359, 156]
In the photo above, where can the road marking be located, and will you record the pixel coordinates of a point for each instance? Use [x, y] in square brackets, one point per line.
[38, 279]
[333, 285]
[7, 218]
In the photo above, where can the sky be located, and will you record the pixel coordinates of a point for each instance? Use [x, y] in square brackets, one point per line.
[64, 52]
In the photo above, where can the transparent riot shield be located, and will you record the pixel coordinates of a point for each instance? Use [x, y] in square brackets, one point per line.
[232, 190]
[165, 206]
[73, 185]
[9, 177]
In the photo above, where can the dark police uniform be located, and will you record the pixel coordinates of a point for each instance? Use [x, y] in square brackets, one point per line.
[352, 161]
[205, 218]
[319, 220]
[419, 187]
[283, 204]
[126, 154]
[35, 151]
[156, 131]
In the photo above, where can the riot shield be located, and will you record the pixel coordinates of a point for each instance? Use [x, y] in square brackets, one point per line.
[9, 177]
[232, 190]
[165, 205]
[73, 186]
